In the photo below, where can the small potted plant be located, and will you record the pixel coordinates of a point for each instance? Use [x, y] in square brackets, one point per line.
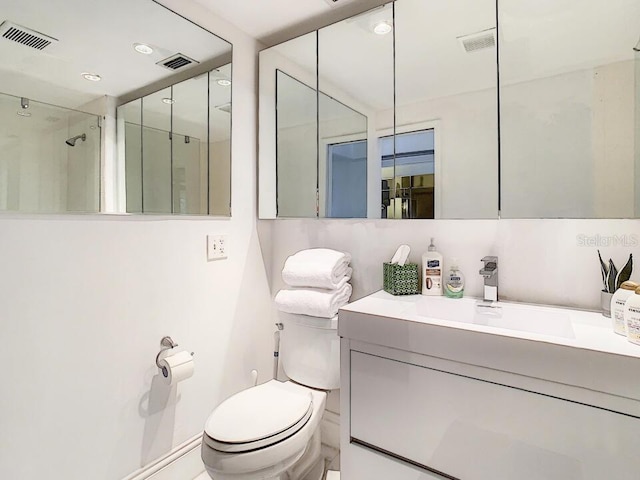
[612, 279]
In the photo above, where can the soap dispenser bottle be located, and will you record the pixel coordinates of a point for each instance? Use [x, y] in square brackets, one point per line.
[454, 282]
[432, 271]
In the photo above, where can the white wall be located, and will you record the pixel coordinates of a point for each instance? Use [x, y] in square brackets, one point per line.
[540, 261]
[568, 142]
[85, 300]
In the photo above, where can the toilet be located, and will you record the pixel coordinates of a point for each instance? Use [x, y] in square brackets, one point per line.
[272, 431]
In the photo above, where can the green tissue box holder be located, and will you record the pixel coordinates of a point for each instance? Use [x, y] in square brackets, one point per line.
[401, 280]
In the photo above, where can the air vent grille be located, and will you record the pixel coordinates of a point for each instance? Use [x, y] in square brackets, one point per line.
[176, 61]
[478, 41]
[25, 36]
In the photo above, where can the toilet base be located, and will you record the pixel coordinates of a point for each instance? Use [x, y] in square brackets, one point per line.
[308, 466]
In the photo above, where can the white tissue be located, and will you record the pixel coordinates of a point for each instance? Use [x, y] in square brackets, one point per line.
[401, 255]
[176, 368]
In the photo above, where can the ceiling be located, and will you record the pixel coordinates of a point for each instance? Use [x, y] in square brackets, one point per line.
[537, 40]
[96, 36]
[273, 21]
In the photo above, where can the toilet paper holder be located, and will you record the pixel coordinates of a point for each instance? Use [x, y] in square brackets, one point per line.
[166, 343]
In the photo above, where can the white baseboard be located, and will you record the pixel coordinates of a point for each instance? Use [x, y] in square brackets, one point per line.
[183, 463]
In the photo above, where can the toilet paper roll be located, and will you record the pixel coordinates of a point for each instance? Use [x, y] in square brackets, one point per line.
[176, 368]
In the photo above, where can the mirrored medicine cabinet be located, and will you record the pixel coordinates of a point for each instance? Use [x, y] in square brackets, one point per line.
[109, 113]
[404, 111]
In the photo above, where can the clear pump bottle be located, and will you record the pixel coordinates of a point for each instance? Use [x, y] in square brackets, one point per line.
[454, 282]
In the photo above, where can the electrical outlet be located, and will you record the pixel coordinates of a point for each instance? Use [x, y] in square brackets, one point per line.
[216, 247]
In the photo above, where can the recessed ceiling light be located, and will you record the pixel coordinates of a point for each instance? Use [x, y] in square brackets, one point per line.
[23, 114]
[92, 77]
[223, 82]
[382, 28]
[142, 48]
[168, 101]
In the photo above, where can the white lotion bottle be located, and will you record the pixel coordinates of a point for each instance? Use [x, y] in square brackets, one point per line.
[432, 271]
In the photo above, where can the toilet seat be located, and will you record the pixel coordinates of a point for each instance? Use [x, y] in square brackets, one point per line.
[258, 417]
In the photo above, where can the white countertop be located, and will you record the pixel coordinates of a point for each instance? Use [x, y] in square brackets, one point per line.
[592, 330]
[594, 358]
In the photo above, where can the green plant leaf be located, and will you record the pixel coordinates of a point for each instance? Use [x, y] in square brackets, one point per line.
[604, 271]
[625, 273]
[611, 277]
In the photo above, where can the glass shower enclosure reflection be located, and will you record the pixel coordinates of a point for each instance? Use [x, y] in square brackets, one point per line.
[49, 158]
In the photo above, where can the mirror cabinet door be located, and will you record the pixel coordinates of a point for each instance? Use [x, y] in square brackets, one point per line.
[156, 152]
[189, 146]
[355, 84]
[130, 148]
[219, 162]
[289, 129]
[568, 98]
[446, 143]
[176, 145]
[407, 116]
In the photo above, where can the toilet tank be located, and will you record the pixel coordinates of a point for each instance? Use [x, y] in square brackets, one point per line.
[310, 350]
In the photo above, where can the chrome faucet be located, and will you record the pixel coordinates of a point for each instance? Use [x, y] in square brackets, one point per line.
[490, 274]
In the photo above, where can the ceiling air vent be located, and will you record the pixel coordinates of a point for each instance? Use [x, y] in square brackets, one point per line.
[25, 36]
[177, 61]
[479, 40]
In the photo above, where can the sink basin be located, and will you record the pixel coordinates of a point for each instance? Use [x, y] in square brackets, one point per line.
[538, 320]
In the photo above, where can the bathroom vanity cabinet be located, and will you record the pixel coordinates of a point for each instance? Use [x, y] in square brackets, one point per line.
[426, 398]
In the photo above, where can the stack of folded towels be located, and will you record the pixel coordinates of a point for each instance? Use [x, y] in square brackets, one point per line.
[318, 278]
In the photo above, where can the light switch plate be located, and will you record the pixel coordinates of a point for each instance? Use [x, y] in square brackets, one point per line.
[216, 247]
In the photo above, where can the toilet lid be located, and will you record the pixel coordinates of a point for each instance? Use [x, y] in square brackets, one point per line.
[272, 410]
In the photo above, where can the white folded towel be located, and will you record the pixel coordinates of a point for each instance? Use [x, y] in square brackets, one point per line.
[316, 302]
[317, 268]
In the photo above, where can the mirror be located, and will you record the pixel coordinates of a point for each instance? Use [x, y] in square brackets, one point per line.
[58, 97]
[49, 157]
[355, 63]
[446, 143]
[174, 140]
[405, 113]
[569, 109]
[288, 129]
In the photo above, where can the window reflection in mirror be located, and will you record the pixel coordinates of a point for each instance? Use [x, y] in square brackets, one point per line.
[411, 172]
[446, 82]
[343, 160]
[568, 98]
[355, 65]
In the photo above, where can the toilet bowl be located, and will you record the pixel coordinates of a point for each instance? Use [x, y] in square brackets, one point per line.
[272, 431]
[262, 432]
